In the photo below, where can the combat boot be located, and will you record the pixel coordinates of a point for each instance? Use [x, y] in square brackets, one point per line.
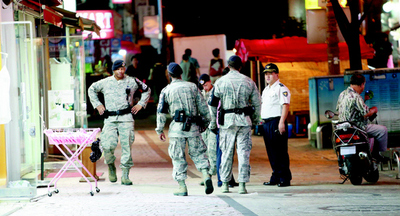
[125, 177]
[225, 187]
[207, 181]
[242, 188]
[182, 191]
[112, 173]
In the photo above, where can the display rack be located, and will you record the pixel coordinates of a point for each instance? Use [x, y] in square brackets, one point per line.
[66, 136]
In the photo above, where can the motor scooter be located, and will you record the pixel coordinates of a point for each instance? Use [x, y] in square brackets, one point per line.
[352, 147]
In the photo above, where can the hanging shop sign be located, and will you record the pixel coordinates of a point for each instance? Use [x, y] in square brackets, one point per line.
[57, 47]
[121, 1]
[115, 45]
[105, 19]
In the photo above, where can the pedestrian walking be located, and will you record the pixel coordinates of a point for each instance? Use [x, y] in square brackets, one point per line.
[189, 111]
[117, 110]
[216, 66]
[274, 111]
[239, 111]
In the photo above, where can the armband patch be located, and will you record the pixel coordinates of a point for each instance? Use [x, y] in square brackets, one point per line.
[212, 100]
[163, 106]
[142, 85]
[285, 93]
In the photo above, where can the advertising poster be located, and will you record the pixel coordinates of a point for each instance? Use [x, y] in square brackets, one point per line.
[61, 109]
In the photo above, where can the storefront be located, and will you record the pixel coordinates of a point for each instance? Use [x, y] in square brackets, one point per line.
[47, 88]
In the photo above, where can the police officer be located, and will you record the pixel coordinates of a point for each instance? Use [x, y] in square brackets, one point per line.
[118, 120]
[274, 111]
[184, 102]
[239, 110]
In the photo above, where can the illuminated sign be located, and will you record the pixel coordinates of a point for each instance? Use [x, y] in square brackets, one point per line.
[121, 1]
[104, 19]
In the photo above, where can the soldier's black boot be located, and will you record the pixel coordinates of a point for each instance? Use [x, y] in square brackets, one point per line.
[207, 181]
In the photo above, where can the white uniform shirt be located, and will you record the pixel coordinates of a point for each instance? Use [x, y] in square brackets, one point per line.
[272, 99]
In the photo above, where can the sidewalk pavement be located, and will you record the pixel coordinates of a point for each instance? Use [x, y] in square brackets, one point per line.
[315, 188]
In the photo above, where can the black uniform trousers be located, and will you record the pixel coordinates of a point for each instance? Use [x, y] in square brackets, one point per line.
[277, 150]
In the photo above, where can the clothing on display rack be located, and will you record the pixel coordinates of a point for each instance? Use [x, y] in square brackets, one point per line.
[5, 111]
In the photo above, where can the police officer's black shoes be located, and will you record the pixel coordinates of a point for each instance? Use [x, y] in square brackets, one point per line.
[269, 183]
[284, 184]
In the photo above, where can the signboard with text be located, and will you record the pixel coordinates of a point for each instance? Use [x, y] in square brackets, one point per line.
[121, 1]
[104, 19]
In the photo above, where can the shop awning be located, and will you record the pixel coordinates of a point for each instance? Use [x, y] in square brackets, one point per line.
[49, 15]
[294, 49]
[71, 19]
[58, 16]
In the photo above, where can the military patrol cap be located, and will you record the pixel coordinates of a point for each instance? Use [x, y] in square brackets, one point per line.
[271, 67]
[235, 61]
[174, 69]
[204, 78]
[117, 64]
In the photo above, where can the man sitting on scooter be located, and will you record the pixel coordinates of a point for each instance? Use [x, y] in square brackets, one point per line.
[352, 108]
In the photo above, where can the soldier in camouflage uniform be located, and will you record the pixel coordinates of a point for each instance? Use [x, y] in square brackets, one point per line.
[239, 111]
[211, 138]
[118, 92]
[184, 102]
[352, 108]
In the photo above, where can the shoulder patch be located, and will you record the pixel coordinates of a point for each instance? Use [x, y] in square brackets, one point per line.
[285, 93]
[281, 85]
[142, 86]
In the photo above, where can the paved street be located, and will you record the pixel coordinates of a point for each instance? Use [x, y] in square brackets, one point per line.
[315, 187]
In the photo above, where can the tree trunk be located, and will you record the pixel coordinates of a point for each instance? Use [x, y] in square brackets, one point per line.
[350, 31]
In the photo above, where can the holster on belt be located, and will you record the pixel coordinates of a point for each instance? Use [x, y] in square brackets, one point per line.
[187, 121]
[221, 117]
[248, 111]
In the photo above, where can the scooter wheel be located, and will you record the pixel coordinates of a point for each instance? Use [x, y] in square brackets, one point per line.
[372, 176]
[355, 179]
[354, 171]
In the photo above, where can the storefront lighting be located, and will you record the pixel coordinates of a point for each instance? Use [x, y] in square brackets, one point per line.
[387, 7]
[122, 52]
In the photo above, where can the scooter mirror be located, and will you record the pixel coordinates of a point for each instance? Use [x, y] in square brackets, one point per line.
[329, 114]
[370, 94]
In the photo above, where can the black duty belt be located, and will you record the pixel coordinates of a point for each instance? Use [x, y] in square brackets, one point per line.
[236, 110]
[270, 119]
[118, 112]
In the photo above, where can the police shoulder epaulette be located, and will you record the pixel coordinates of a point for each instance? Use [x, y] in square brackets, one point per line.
[281, 85]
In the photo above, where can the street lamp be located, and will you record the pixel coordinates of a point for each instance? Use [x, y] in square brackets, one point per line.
[169, 29]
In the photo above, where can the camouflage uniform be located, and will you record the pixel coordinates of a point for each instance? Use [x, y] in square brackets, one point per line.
[352, 108]
[210, 139]
[235, 90]
[183, 95]
[116, 98]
